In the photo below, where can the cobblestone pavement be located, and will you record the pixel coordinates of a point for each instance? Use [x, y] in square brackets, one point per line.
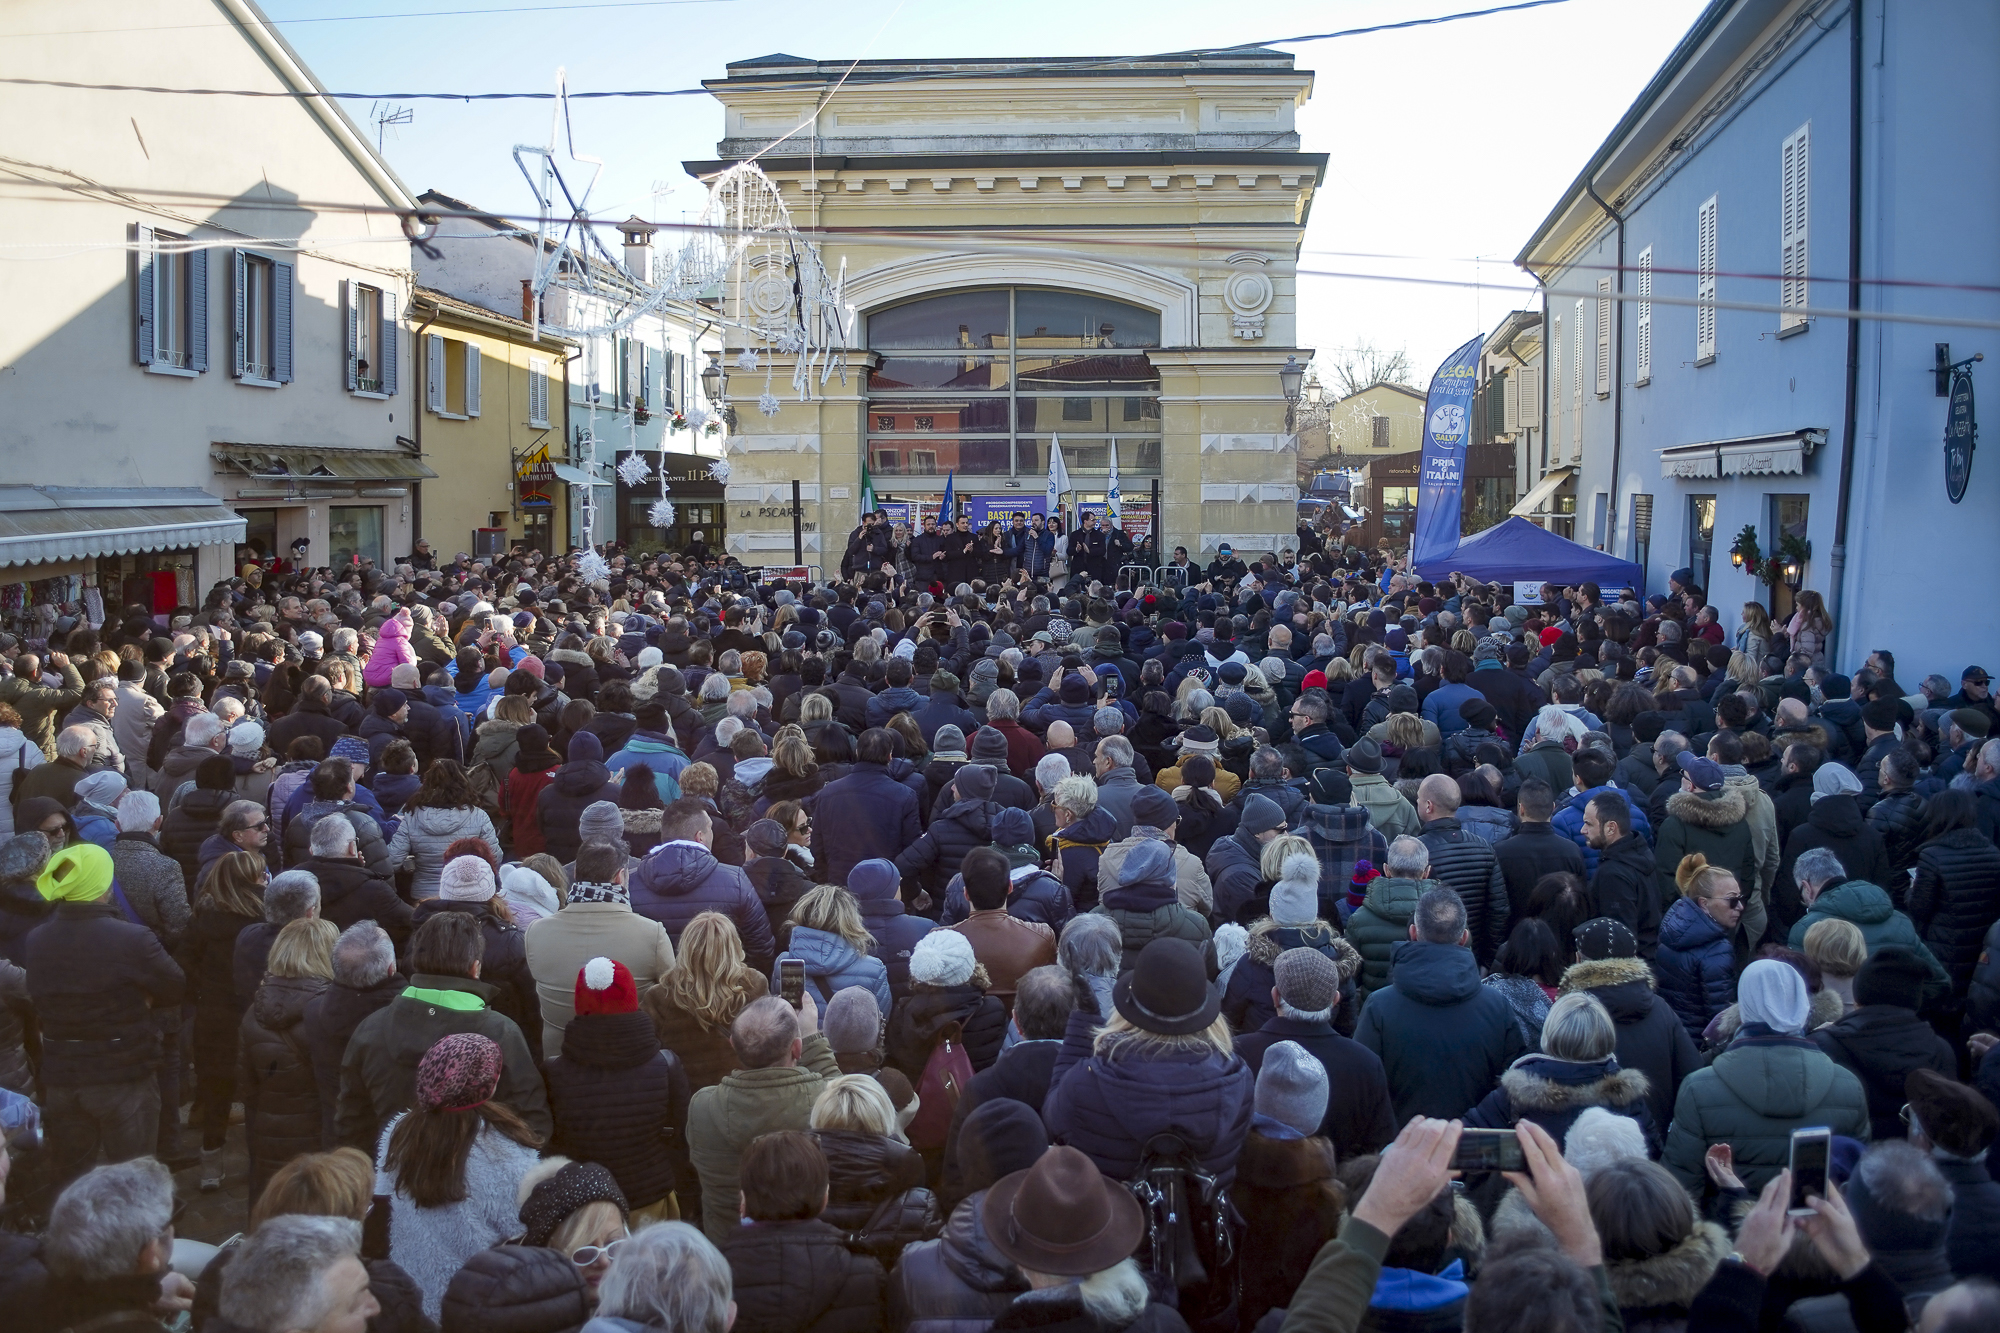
[216, 1216]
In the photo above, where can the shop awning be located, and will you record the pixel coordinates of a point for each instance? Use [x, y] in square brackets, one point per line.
[43, 523]
[332, 465]
[1547, 486]
[575, 476]
[1777, 454]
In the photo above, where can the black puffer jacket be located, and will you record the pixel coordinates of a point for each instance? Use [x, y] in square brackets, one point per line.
[800, 1277]
[275, 1081]
[208, 956]
[867, 1171]
[1464, 861]
[1955, 898]
[1835, 823]
[504, 965]
[1884, 1044]
[1899, 818]
[1651, 1039]
[96, 982]
[330, 1020]
[962, 827]
[919, 1017]
[621, 1101]
[516, 1289]
[561, 804]
[188, 825]
[957, 1283]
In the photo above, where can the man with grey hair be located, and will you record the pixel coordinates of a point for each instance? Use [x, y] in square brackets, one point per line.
[364, 980]
[1117, 783]
[109, 1243]
[204, 736]
[1901, 1207]
[668, 1277]
[778, 1077]
[291, 896]
[349, 891]
[1444, 1039]
[1050, 770]
[1270, 777]
[1828, 895]
[1043, 999]
[75, 748]
[299, 1274]
[245, 826]
[1381, 924]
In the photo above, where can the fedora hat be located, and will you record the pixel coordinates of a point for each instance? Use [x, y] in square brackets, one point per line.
[1168, 991]
[1062, 1216]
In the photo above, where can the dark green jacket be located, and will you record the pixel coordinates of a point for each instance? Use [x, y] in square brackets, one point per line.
[1869, 908]
[1380, 924]
[1752, 1098]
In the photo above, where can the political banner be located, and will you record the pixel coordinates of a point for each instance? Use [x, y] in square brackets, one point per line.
[899, 511]
[984, 509]
[1137, 518]
[1441, 475]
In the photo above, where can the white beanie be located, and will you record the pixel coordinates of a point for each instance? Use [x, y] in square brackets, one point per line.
[1295, 897]
[1598, 1138]
[528, 894]
[466, 879]
[1774, 994]
[246, 738]
[1231, 940]
[942, 958]
[649, 658]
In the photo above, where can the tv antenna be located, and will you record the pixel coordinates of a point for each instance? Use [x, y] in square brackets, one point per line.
[385, 114]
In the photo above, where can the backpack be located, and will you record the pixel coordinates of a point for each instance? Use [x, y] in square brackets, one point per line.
[1192, 1231]
[947, 1075]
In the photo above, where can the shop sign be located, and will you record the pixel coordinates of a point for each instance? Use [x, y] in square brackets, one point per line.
[1961, 432]
[536, 470]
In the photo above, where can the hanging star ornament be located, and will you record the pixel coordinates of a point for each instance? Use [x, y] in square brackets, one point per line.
[696, 418]
[661, 515]
[633, 469]
[768, 404]
[747, 359]
[719, 470]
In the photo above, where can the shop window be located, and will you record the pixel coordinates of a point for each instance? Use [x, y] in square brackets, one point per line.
[354, 533]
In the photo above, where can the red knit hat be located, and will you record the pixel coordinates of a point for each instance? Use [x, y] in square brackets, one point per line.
[605, 986]
[1550, 635]
[1315, 680]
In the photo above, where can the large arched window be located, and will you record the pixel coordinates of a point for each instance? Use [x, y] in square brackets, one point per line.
[977, 381]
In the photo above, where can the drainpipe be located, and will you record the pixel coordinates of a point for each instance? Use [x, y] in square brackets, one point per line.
[1617, 372]
[1838, 564]
[421, 364]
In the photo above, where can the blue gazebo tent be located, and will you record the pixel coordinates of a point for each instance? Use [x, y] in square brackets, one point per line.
[1518, 551]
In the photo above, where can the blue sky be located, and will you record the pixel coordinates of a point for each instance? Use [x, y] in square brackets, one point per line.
[1519, 100]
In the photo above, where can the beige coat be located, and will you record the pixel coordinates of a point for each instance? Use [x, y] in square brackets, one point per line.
[558, 947]
[1191, 882]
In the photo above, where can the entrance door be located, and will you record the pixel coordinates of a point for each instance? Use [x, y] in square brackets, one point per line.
[354, 533]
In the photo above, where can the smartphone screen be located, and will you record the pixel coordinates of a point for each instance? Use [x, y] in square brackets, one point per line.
[1488, 1150]
[792, 980]
[1810, 1149]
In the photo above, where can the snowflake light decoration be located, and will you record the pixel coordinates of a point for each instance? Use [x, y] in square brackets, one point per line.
[768, 404]
[661, 515]
[633, 469]
[591, 566]
[719, 470]
[747, 359]
[696, 418]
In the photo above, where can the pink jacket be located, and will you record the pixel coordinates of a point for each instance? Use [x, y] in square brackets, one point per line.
[392, 649]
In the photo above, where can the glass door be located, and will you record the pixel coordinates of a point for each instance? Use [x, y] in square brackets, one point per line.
[354, 534]
[1701, 537]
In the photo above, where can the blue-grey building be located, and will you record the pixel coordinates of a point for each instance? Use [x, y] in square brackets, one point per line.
[1793, 161]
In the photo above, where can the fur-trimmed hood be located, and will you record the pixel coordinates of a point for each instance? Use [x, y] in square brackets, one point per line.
[1602, 973]
[642, 823]
[1717, 810]
[570, 657]
[1812, 733]
[1672, 1280]
[1268, 939]
[1539, 1083]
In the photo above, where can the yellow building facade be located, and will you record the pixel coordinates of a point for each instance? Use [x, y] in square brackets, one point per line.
[491, 411]
[1100, 253]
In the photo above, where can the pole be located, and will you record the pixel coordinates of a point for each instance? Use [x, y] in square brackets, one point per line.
[798, 527]
[1159, 528]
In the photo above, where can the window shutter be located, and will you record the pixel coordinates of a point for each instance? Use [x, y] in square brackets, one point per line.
[281, 322]
[667, 398]
[239, 289]
[1510, 411]
[351, 298]
[472, 379]
[1576, 382]
[146, 249]
[1792, 213]
[538, 392]
[1604, 338]
[1643, 322]
[1555, 386]
[1530, 397]
[434, 372]
[1496, 405]
[1379, 432]
[1704, 281]
[197, 299]
[390, 351]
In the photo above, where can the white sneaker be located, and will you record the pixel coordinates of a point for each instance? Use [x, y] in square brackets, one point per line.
[211, 1170]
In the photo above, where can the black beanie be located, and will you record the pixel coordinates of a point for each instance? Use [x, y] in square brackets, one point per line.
[1894, 976]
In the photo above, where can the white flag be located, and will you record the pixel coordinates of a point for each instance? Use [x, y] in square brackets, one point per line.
[1058, 475]
[1114, 503]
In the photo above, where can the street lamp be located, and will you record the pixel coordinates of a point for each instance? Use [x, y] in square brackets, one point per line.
[711, 379]
[1736, 556]
[1291, 376]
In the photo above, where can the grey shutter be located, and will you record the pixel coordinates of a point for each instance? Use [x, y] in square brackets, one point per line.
[239, 268]
[197, 299]
[351, 298]
[390, 351]
[434, 372]
[667, 396]
[148, 339]
[1704, 280]
[472, 379]
[1604, 338]
[1643, 332]
[281, 322]
[1496, 405]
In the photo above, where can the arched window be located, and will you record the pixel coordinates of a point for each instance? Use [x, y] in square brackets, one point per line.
[977, 381]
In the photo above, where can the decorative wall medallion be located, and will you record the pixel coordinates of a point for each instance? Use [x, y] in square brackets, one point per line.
[1247, 292]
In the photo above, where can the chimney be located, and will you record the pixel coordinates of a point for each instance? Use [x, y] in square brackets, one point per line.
[638, 235]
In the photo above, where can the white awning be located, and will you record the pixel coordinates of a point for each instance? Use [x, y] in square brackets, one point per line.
[1543, 489]
[44, 523]
[575, 476]
[1778, 454]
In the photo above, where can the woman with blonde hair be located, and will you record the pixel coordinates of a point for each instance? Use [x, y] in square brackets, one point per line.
[700, 996]
[1696, 963]
[577, 1210]
[1576, 1068]
[281, 1103]
[828, 936]
[1744, 670]
[1163, 1050]
[870, 1164]
[230, 899]
[1838, 949]
[794, 774]
[1753, 636]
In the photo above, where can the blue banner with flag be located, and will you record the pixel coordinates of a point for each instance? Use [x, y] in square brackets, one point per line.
[945, 510]
[1441, 475]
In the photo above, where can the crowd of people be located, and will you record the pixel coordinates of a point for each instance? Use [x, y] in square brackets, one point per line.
[622, 943]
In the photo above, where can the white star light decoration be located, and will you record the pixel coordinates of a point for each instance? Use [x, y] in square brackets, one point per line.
[768, 404]
[633, 469]
[696, 418]
[661, 515]
[747, 359]
[719, 470]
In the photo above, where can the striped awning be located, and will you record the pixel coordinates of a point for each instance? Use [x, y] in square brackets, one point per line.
[45, 523]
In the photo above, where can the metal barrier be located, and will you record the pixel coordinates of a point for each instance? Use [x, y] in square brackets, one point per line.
[1175, 576]
[1137, 574]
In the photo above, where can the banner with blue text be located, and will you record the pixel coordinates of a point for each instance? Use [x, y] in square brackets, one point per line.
[1441, 475]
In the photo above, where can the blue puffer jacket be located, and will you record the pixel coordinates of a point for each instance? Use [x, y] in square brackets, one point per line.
[1109, 1109]
[1696, 966]
[1568, 821]
[896, 699]
[832, 965]
[682, 880]
[867, 814]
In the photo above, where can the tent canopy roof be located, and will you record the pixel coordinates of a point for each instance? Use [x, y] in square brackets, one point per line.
[1516, 551]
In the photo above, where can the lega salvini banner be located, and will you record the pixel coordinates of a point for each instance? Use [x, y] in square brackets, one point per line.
[1441, 475]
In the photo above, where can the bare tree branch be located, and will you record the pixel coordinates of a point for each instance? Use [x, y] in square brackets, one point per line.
[1353, 369]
